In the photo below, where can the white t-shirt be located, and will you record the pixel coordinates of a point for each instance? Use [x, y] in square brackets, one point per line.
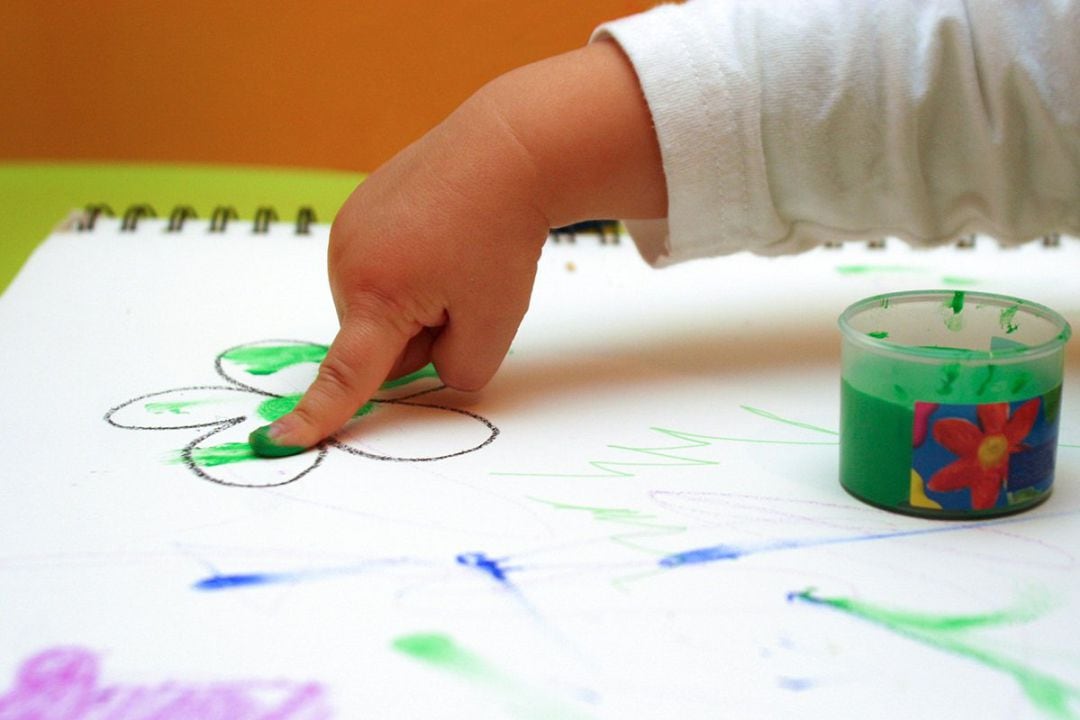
[783, 124]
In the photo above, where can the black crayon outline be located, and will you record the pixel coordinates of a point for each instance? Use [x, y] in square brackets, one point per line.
[220, 425]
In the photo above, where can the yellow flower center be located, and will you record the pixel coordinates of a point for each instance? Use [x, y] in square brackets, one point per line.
[993, 451]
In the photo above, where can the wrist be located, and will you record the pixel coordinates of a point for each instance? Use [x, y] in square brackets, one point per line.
[580, 126]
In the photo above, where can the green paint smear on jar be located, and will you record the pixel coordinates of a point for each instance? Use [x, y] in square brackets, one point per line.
[269, 359]
[879, 334]
[949, 633]
[957, 302]
[1008, 315]
[949, 375]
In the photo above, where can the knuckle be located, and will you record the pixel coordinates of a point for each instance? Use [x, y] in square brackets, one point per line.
[462, 379]
[336, 377]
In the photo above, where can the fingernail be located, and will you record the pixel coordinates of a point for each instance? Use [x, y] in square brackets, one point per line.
[265, 441]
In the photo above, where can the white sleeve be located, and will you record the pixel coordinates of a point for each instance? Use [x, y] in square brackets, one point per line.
[785, 123]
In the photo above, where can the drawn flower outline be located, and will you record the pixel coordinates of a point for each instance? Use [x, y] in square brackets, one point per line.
[265, 380]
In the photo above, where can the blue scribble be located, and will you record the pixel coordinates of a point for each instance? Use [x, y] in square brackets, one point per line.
[481, 561]
[217, 581]
[717, 553]
[795, 684]
[703, 555]
[228, 582]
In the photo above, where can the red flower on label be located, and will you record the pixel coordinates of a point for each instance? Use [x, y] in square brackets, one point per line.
[983, 462]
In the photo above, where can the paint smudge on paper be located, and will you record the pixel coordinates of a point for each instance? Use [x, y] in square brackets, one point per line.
[490, 566]
[269, 359]
[64, 683]
[236, 581]
[641, 525]
[441, 652]
[674, 455]
[865, 270]
[717, 553]
[227, 413]
[954, 634]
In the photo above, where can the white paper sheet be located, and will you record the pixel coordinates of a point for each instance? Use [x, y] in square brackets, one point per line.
[509, 553]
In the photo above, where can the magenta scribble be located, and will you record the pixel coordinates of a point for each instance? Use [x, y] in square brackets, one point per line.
[62, 684]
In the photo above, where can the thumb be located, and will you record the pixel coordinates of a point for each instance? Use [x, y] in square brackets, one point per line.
[357, 362]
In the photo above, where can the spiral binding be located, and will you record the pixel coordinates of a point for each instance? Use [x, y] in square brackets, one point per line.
[608, 232]
[220, 218]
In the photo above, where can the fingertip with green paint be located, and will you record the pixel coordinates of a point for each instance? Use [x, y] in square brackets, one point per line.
[264, 442]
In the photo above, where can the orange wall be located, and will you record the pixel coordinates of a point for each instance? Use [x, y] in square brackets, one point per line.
[328, 84]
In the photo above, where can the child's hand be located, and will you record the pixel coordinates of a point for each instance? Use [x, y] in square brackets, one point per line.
[432, 258]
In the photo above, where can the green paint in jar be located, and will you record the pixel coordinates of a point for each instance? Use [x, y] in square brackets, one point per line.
[950, 402]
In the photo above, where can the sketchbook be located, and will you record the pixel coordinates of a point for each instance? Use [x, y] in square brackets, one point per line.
[640, 517]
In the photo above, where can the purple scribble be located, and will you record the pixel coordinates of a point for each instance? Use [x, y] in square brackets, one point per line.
[62, 684]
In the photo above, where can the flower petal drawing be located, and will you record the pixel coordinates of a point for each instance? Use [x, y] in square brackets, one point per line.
[271, 367]
[402, 431]
[223, 456]
[266, 380]
[180, 408]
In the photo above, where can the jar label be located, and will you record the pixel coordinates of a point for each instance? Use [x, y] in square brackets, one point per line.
[984, 457]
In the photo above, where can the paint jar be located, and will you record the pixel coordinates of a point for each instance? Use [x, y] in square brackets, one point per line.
[950, 402]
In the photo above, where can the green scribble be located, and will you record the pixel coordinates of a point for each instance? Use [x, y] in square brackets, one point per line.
[956, 280]
[1008, 315]
[176, 408]
[879, 334]
[276, 407]
[224, 454]
[874, 269]
[269, 359]
[669, 456]
[952, 634]
[645, 526]
[786, 421]
[441, 652]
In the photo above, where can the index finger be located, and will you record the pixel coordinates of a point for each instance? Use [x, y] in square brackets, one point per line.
[359, 359]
